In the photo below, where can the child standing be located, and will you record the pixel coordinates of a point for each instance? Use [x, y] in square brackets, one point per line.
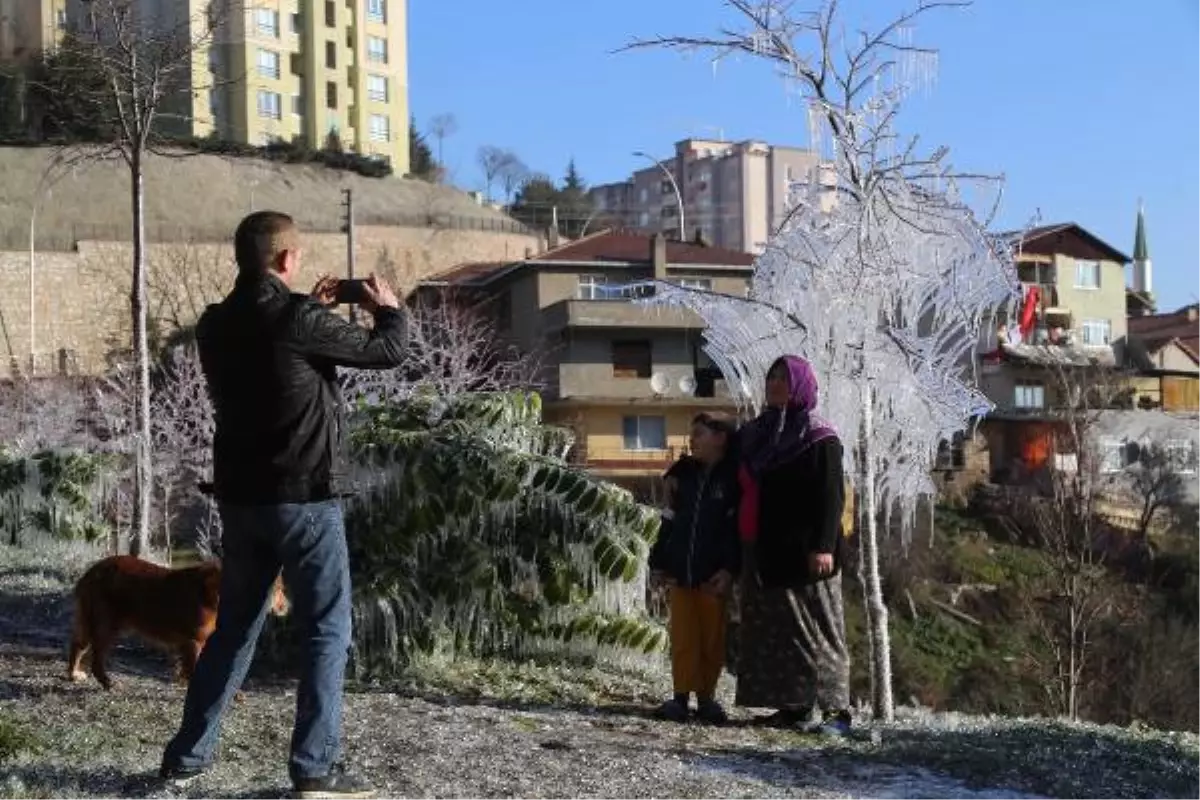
[697, 555]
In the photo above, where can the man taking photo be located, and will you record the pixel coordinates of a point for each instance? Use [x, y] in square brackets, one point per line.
[269, 357]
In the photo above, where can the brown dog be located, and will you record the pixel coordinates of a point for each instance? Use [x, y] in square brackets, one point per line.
[175, 608]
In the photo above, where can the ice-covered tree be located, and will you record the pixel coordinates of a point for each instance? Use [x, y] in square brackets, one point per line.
[135, 72]
[879, 275]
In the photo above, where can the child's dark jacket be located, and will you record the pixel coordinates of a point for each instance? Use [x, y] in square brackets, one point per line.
[701, 537]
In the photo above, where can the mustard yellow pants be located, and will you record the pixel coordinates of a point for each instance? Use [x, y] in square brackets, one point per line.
[697, 628]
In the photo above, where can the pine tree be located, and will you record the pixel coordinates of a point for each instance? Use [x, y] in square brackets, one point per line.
[420, 155]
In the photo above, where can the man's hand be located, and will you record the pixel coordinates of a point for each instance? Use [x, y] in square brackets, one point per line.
[379, 294]
[719, 584]
[325, 290]
[820, 565]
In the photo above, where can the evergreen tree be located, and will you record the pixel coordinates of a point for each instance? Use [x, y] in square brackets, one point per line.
[420, 155]
[539, 201]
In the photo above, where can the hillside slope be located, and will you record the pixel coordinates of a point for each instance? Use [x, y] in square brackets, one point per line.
[197, 196]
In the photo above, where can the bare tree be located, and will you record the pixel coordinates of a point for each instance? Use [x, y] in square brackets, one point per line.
[183, 432]
[183, 278]
[491, 160]
[512, 174]
[454, 347]
[1155, 482]
[148, 66]
[1064, 520]
[443, 126]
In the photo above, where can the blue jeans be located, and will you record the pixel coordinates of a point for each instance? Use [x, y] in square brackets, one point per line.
[309, 541]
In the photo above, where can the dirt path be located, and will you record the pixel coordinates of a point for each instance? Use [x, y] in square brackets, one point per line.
[488, 730]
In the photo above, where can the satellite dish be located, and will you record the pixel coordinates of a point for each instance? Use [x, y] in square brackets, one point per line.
[687, 384]
[660, 383]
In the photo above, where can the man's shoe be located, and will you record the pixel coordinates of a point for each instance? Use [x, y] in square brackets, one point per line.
[336, 784]
[837, 723]
[672, 711]
[710, 711]
[786, 718]
[178, 776]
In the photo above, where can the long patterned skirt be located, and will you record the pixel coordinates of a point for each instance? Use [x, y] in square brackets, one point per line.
[792, 647]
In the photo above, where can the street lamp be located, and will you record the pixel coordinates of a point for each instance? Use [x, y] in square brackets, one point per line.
[674, 185]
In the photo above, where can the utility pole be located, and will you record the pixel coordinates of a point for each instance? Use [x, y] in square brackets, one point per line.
[349, 228]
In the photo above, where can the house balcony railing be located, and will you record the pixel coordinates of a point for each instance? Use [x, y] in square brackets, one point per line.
[617, 313]
[618, 458]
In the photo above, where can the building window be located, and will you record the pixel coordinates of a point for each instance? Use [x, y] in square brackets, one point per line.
[631, 359]
[268, 104]
[1112, 456]
[645, 433]
[1030, 396]
[591, 287]
[643, 194]
[704, 284]
[381, 130]
[331, 95]
[952, 453]
[267, 21]
[377, 50]
[644, 219]
[330, 14]
[377, 88]
[666, 187]
[268, 63]
[1087, 274]
[1181, 456]
[297, 23]
[298, 105]
[61, 18]
[331, 55]
[1097, 332]
[377, 10]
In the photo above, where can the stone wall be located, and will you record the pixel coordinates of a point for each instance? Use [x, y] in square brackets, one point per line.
[81, 298]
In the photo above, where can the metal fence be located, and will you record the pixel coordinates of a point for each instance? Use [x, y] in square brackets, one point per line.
[65, 239]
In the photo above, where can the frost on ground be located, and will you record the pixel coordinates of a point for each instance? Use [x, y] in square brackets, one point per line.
[481, 730]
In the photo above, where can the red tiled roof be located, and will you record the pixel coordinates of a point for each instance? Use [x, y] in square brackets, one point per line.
[1048, 240]
[626, 247]
[637, 248]
[1155, 330]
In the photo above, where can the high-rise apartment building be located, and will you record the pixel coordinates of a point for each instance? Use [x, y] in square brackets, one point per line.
[735, 193]
[276, 69]
[29, 28]
[310, 69]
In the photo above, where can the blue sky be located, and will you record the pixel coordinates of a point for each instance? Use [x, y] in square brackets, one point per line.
[1084, 105]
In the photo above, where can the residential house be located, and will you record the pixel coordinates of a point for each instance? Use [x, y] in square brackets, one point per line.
[1164, 352]
[735, 193]
[626, 377]
[1071, 320]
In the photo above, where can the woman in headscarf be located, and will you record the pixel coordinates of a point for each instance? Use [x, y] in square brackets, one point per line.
[793, 642]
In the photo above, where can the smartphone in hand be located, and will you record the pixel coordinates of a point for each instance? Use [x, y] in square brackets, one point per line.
[350, 291]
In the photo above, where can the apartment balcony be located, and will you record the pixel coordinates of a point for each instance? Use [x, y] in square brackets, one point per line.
[620, 462]
[617, 314]
[594, 383]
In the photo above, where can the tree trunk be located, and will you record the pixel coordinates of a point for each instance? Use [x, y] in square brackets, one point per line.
[877, 615]
[139, 535]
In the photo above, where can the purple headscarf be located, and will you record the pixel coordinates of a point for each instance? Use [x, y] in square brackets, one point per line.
[778, 436]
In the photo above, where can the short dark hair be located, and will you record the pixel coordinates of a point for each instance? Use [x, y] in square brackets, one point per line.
[718, 423]
[261, 237]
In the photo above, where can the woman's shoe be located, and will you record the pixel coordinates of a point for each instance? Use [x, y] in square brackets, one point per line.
[786, 718]
[710, 711]
[672, 711]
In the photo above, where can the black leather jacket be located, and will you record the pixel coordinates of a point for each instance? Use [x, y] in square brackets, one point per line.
[269, 357]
